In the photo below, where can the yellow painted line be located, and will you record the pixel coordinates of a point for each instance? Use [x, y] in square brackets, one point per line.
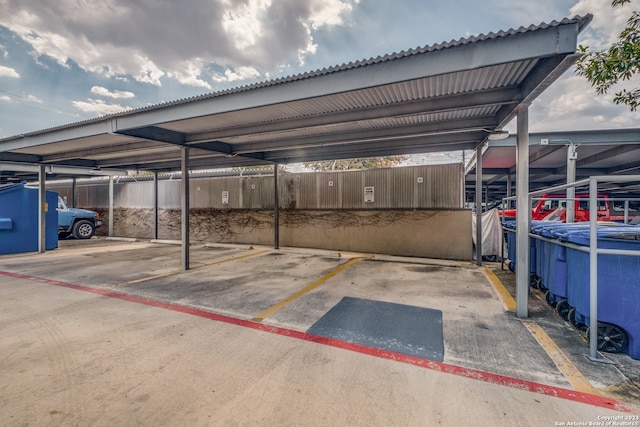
[508, 301]
[268, 312]
[249, 255]
[566, 367]
[171, 273]
[562, 362]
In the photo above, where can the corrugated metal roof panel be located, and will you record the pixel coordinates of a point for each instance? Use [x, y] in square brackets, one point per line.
[580, 20]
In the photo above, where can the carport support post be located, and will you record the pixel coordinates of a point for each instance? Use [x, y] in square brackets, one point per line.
[42, 209]
[523, 209]
[74, 190]
[479, 205]
[571, 178]
[155, 205]
[110, 206]
[276, 209]
[185, 208]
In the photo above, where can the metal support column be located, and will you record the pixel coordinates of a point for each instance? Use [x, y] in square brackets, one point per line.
[523, 219]
[74, 191]
[276, 209]
[110, 206]
[155, 205]
[593, 268]
[571, 178]
[42, 209]
[185, 208]
[479, 205]
[509, 191]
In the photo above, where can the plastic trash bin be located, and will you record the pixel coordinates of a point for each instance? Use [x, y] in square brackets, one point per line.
[552, 264]
[510, 227]
[618, 287]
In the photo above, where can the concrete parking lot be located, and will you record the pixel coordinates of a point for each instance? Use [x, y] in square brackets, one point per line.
[109, 332]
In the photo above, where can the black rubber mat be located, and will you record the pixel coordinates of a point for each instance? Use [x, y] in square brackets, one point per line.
[405, 329]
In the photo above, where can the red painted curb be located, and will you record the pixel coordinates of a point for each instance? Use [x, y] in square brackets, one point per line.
[487, 377]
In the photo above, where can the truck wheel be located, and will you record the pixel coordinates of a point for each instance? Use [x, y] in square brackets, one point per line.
[83, 229]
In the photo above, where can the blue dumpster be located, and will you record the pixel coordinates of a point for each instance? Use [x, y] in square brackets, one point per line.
[543, 250]
[551, 265]
[510, 227]
[19, 219]
[618, 287]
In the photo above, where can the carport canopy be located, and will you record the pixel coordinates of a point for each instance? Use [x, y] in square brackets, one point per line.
[444, 97]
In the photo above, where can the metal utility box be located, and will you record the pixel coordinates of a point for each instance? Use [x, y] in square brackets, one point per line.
[19, 219]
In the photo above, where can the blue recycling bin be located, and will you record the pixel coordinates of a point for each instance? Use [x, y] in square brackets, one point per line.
[510, 227]
[544, 251]
[552, 260]
[618, 287]
[19, 219]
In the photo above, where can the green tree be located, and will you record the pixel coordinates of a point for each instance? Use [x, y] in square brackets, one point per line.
[621, 61]
[361, 163]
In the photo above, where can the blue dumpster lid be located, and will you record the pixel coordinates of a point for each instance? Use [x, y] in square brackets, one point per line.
[628, 234]
[509, 223]
[549, 229]
[576, 227]
[6, 187]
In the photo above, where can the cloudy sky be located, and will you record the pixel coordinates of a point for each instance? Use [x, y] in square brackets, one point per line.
[65, 61]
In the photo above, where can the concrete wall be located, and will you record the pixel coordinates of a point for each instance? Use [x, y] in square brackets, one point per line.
[408, 211]
[444, 234]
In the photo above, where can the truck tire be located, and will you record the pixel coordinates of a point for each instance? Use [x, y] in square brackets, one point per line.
[83, 229]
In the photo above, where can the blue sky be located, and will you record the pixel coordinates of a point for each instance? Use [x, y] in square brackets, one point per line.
[71, 60]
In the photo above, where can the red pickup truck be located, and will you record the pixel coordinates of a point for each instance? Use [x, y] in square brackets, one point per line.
[555, 204]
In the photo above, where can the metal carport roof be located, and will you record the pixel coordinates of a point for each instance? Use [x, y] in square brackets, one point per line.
[599, 152]
[444, 97]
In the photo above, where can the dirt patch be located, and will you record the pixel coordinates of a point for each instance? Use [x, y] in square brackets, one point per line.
[221, 225]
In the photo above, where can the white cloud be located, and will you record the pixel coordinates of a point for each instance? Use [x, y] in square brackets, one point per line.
[9, 72]
[607, 21]
[191, 75]
[329, 13]
[571, 103]
[33, 98]
[243, 23]
[118, 94]
[5, 98]
[153, 39]
[98, 107]
[240, 73]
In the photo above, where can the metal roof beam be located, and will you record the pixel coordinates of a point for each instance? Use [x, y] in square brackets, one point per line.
[57, 169]
[157, 134]
[19, 157]
[622, 169]
[429, 105]
[99, 151]
[603, 155]
[384, 148]
[431, 129]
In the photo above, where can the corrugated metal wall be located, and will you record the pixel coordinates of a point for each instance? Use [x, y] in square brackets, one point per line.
[414, 187]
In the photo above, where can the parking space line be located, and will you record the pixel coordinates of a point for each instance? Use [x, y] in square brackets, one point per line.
[268, 312]
[174, 272]
[508, 301]
[473, 374]
[566, 367]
